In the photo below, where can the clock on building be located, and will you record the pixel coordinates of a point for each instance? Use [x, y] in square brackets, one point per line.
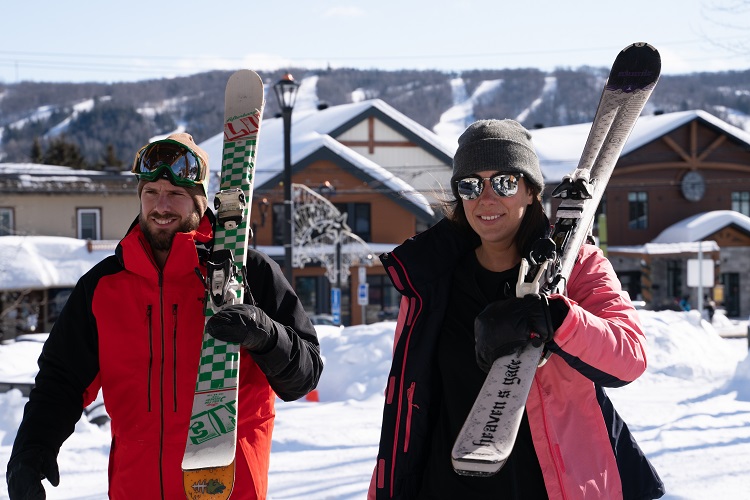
[693, 186]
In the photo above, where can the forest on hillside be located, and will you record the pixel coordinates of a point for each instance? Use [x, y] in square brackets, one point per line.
[40, 121]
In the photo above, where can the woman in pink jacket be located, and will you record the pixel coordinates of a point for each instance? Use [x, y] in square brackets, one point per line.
[572, 443]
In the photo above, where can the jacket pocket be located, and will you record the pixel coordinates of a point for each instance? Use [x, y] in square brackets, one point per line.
[149, 317]
[174, 358]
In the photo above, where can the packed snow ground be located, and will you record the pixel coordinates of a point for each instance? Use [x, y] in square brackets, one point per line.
[690, 413]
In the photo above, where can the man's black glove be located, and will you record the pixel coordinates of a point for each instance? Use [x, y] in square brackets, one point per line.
[509, 324]
[26, 471]
[244, 324]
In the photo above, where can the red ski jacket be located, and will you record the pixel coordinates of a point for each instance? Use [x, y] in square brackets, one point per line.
[136, 333]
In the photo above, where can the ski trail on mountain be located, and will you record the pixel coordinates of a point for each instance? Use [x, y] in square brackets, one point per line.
[455, 120]
[550, 87]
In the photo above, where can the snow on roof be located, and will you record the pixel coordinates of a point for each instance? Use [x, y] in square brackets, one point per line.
[310, 133]
[37, 262]
[667, 248]
[560, 148]
[699, 226]
[27, 168]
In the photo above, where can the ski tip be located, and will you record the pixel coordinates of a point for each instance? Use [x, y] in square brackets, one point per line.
[245, 74]
[244, 95]
[641, 45]
[637, 67]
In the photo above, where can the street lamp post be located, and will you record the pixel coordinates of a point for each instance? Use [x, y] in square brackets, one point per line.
[286, 93]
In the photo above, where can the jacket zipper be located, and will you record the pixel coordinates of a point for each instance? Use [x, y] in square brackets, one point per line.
[161, 386]
[554, 449]
[174, 358]
[150, 354]
[410, 400]
[414, 313]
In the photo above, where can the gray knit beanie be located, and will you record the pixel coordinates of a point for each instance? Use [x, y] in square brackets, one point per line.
[501, 145]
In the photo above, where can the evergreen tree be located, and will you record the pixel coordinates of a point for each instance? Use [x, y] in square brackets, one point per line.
[61, 152]
[37, 155]
[110, 157]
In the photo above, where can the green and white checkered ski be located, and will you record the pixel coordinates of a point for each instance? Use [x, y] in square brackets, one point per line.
[208, 463]
[219, 366]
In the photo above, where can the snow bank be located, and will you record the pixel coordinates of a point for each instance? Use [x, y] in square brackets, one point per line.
[741, 381]
[357, 360]
[685, 346]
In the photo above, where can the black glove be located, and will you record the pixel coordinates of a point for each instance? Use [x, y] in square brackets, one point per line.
[244, 324]
[26, 471]
[509, 324]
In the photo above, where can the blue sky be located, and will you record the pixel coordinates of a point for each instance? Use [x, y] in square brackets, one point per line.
[84, 40]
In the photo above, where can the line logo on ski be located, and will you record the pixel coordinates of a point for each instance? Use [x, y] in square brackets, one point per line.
[240, 127]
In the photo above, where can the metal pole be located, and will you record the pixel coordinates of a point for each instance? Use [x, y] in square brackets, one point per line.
[700, 278]
[287, 118]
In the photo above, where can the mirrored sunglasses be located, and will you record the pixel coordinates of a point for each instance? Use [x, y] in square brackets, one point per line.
[168, 158]
[470, 187]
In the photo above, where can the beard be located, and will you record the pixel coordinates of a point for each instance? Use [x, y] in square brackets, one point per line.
[161, 239]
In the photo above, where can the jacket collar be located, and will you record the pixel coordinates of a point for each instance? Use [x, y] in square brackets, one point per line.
[431, 254]
[189, 250]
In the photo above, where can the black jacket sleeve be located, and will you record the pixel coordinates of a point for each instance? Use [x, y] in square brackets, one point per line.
[68, 365]
[294, 365]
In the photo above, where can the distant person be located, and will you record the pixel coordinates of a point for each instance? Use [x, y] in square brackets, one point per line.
[456, 279]
[710, 307]
[685, 303]
[133, 326]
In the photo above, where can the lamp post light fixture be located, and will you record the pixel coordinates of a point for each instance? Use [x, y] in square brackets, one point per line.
[286, 94]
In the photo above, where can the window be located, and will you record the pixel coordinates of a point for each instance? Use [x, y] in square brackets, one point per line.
[600, 210]
[358, 218]
[278, 223]
[638, 210]
[674, 279]
[89, 223]
[384, 299]
[741, 202]
[306, 288]
[6, 221]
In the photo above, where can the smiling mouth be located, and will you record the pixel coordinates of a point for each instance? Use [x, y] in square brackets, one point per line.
[489, 217]
[163, 221]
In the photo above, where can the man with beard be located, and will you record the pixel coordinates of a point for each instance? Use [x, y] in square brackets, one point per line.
[133, 328]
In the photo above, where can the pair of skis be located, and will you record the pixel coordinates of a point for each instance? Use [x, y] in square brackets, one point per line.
[489, 432]
[208, 463]
[487, 438]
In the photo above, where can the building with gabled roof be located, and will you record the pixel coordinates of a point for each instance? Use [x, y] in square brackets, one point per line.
[383, 169]
[387, 173]
[673, 167]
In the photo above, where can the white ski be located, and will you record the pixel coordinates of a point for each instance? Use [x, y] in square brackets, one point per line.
[487, 437]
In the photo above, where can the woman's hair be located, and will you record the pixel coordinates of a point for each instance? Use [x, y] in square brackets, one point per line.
[534, 225]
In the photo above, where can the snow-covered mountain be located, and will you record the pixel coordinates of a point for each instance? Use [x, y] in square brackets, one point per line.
[123, 116]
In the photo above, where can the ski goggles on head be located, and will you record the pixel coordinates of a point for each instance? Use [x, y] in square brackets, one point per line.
[503, 184]
[170, 159]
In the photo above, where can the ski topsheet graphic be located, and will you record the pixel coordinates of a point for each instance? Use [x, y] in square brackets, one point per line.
[489, 432]
[208, 463]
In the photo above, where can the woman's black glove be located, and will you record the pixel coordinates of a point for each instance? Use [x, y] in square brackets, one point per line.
[509, 324]
[244, 324]
[26, 471]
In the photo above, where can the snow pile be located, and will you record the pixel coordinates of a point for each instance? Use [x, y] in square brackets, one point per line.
[741, 381]
[357, 360]
[11, 412]
[685, 346]
[690, 412]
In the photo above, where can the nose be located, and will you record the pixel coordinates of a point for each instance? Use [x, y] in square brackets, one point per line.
[163, 202]
[487, 191]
